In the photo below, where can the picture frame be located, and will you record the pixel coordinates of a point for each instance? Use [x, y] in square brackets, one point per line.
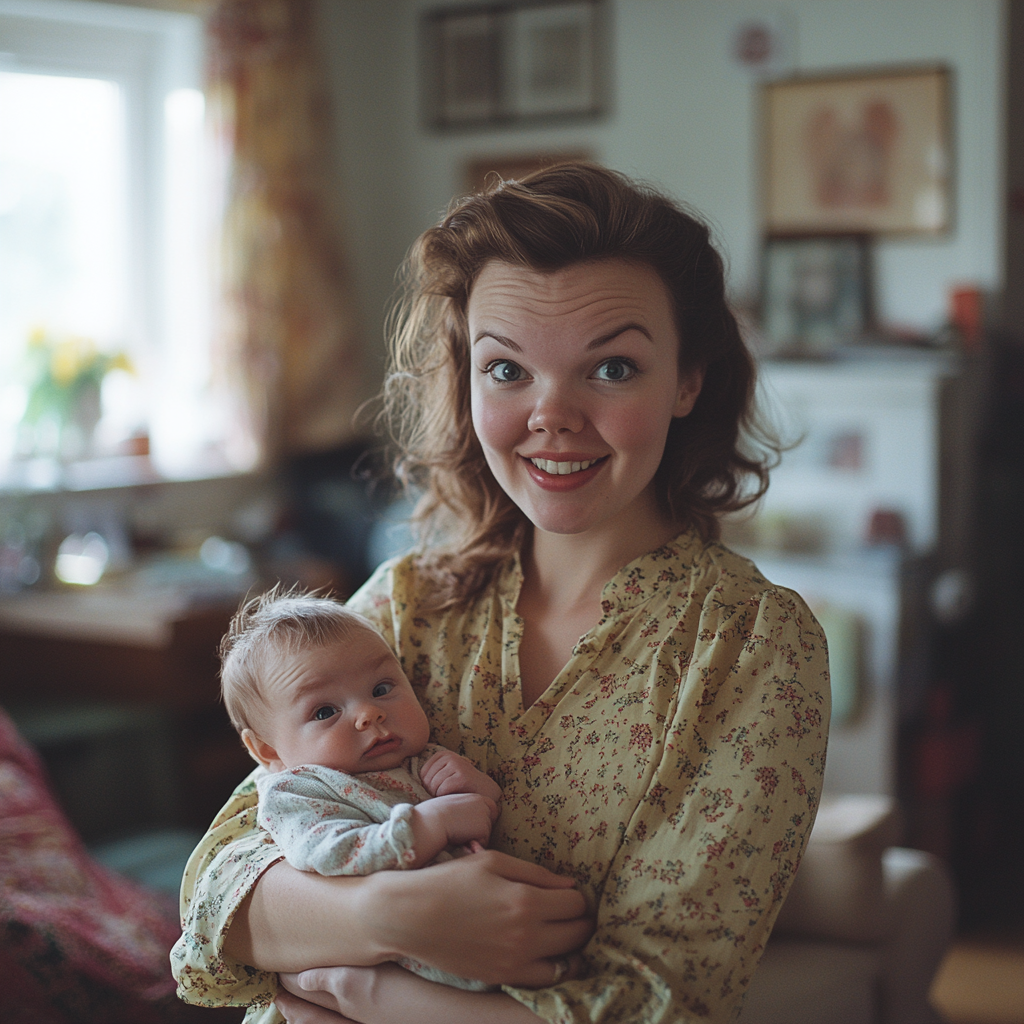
[511, 63]
[815, 294]
[863, 152]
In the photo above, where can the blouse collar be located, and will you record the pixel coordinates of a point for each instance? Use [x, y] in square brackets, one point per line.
[633, 584]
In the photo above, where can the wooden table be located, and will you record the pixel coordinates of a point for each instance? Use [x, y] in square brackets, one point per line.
[72, 660]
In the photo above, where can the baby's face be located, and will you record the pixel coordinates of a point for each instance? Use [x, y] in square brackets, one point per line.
[347, 706]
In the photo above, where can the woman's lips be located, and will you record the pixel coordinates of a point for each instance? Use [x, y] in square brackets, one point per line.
[563, 481]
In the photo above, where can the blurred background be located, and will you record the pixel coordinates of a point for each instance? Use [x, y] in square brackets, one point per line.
[203, 209]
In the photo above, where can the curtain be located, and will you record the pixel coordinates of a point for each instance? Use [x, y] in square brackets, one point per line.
[287, 337]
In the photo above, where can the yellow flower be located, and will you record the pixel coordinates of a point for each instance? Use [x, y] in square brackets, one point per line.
[120, 361]
[65, 362]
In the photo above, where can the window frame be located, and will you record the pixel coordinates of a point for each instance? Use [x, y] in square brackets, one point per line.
[148, 53]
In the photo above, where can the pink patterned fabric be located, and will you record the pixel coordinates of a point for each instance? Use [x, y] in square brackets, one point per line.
[77, 943]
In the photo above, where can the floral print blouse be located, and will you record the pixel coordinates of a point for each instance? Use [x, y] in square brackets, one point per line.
[673, 768]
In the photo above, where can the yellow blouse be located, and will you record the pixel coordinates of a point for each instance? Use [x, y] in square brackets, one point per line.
[673, 768]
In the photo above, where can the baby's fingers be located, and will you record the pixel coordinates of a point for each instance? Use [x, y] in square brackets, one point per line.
[437, 768]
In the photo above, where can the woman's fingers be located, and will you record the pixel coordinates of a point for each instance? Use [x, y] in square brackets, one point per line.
[489, 916]
[300, 1011]
[307, 985]
[558, 969]
[516, 870]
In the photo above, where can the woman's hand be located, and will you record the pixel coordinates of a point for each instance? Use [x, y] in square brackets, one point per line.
[489, 916]
[301, 1011]
[389, 994]
[493, 917]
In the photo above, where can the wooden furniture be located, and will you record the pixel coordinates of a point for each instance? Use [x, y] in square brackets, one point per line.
[119, 688]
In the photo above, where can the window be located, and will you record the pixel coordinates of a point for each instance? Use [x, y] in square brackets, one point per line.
[107, 205]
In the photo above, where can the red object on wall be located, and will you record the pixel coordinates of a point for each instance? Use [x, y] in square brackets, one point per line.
[946, 753]
[966, 313]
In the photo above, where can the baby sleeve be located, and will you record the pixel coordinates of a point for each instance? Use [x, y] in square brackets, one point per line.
[334, 827]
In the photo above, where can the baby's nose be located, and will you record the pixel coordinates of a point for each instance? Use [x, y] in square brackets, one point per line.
[367, 715]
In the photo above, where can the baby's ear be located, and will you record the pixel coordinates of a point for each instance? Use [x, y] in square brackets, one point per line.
[260, 750]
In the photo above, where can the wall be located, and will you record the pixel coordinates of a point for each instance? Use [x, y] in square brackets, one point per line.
[685, 116]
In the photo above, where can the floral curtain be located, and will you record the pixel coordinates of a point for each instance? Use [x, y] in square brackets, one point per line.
[287, 335]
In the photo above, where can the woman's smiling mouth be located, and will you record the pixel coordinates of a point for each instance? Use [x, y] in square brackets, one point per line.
[564, 468]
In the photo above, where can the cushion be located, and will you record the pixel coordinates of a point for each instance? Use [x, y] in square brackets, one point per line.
[78, 944]
[805, 982]
[839, 890]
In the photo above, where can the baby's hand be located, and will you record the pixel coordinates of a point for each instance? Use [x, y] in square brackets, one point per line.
[447, 772]
[450, 821]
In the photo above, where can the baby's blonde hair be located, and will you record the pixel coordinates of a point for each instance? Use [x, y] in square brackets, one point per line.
[280, 621]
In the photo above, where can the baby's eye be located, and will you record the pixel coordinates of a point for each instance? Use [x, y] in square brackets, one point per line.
[504, 371]
[382, 689]
[323, 713]
[616, 369]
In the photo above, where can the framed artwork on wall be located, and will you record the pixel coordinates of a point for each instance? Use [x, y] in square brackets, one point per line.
[816, 295]
[867, 152]
[509, 63]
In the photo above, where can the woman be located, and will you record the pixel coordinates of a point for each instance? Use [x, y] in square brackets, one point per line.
[570, 388]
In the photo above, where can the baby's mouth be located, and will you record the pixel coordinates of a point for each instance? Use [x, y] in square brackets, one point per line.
[382, 746]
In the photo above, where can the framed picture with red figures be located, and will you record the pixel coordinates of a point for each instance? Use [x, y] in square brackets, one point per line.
[858, 153]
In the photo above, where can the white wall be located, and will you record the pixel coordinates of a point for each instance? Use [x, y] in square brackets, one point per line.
[683, 115]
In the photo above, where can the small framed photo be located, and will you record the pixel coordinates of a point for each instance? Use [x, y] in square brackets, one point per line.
[866, 152]
[509, 63]
[468, 51]
[554, 60]
[815, 294]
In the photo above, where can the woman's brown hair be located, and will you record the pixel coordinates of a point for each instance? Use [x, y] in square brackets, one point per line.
[553, 218]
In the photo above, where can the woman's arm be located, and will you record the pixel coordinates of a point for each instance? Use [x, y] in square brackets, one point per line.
[389, 994]
[489, 916]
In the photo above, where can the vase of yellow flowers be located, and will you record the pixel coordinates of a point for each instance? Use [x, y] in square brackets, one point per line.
[65, 379]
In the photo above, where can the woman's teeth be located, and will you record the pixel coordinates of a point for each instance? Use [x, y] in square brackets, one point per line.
[562, 468]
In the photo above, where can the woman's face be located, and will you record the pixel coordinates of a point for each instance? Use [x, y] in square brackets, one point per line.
[575, 380]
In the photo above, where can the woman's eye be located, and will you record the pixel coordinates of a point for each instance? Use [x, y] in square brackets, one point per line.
[504, 371]
[322, 714]
[616, 369]
[383, 689]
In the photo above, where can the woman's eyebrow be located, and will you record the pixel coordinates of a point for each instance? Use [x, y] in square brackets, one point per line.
[501, 339]
[612, 335]
[603, 339]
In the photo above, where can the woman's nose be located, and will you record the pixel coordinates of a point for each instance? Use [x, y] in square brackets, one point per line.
[556, 412]
[367, 715]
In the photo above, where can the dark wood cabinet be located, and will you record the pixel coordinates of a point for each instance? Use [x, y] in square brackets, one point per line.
[122, 701]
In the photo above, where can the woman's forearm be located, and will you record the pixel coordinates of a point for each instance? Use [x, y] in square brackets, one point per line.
[294, 920]
[391, 995]
[489, 916]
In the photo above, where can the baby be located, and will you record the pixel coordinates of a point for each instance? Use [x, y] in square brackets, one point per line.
[353, 786]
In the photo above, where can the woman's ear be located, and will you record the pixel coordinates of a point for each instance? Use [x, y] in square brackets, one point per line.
[690, 383]
[260, 750]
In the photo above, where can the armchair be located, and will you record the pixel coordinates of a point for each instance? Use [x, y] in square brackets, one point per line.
[864, 929]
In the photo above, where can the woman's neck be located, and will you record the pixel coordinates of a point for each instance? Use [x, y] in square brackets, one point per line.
[565, 571]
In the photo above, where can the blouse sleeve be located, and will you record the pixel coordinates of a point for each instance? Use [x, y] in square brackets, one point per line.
[710, 852]
[220, 874]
